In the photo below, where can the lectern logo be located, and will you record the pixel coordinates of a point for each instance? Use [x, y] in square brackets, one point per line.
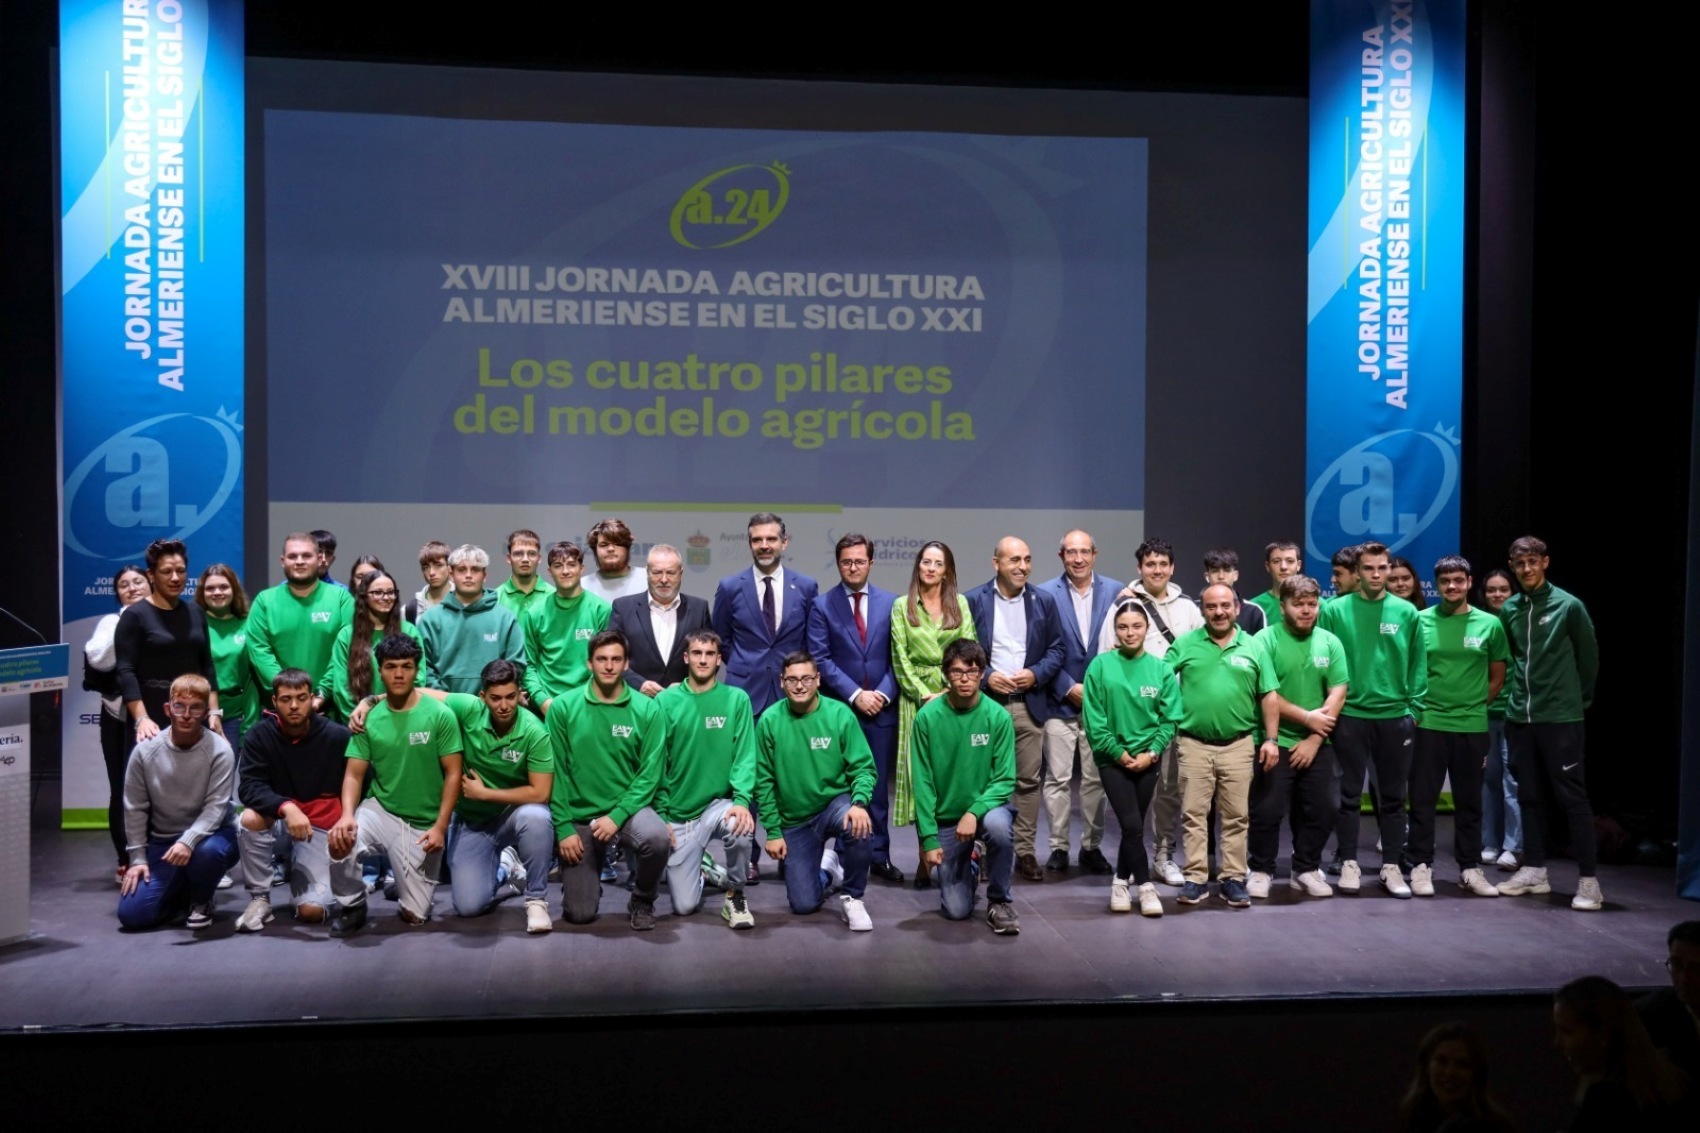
[1390, 488]
[159, 478]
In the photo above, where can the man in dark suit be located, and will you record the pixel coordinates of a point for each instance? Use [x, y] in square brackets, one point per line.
[762, 613]
[657, 622]
[1672, 1015]
[850, 640]
[1021, 632]
[1083, 598]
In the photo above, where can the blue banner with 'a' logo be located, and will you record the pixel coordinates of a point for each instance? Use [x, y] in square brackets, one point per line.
[1386, 230]
[151, 197]
[151, 272]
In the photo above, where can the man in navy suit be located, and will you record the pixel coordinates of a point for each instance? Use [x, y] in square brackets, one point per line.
[850, 640]
[657, 622]
[1083, 597]
[1021, 632]
[762, 614]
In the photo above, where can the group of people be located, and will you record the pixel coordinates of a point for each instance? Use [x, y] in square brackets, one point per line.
[588, 712]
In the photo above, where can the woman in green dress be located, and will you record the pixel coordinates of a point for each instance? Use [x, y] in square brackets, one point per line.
[930, 618]
[220, 595]
[352, 674]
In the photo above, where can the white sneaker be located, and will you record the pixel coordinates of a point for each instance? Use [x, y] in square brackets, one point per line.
[1350, 876]
[537, 919]
[1475, 881]
[735, 911]
[1121, 896]
[1150, 905]
[855, 914]
[1313, 883]
[1422, 881]
[256, 916]
[226, 881]
[1257, 884]
[833, 867]
[1531, 879]
[1588, 896]
[516, 869]
[1506, 861]
[1490, 856]
[1168, 872]
[1394, 881]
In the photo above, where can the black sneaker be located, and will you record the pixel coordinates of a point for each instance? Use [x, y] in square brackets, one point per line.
[642, 914]
[1057, 862]
[1001, 916]
[1192, 893]
[1094, 861]
[1234, 892]
[349, 921]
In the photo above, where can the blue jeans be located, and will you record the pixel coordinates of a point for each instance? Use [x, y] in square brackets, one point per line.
[957, 874]
[170, 887]
[474, 849]
[1502, 815]
[805, 886]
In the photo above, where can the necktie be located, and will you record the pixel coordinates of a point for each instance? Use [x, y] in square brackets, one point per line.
[767, 607]
[861, 622]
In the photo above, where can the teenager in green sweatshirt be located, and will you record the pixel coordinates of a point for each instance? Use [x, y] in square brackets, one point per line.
[469, 629]
[709, 780]
[293, 625]
[1555, 660]
[558, 627]
[1389, 667]
[609, 746]
[524, 588]
[1131, 709]
[814, 777]
[963, 752]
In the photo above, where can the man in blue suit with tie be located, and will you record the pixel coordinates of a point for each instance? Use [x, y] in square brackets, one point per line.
[762, 614]
[850, 640]
[1021, 632]
[1083, 598]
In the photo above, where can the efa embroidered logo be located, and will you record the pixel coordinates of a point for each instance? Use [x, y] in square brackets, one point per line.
[511, 754]
[1148, 691]
[979, 739]
[819, 743]
[1474, 642]
[1240, 662]
[713, 722]
[490, 637]
[321, 617]
[1390, 627]
[621, 731]
[581, 634]
[414, 738]
[239, 639]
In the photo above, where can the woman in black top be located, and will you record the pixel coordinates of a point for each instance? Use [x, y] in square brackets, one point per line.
[160, 640]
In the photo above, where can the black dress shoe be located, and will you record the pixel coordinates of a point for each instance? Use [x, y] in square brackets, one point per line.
[923, 879]
[1057, 862]
[1094, 861]
[885, 871]
[1028, 867]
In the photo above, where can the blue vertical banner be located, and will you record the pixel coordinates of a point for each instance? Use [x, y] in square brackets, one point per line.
[151, 309]
[1386, 278]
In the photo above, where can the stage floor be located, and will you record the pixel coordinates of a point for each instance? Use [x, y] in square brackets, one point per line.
[80, 971]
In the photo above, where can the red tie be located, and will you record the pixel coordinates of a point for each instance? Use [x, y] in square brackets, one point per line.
[861, 622]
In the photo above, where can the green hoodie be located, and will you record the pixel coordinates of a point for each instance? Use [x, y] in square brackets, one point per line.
[460, 640]
[964, 762]
[1555, 657]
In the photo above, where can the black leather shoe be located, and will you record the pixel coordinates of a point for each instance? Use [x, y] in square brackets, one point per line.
[885, 871]
[349, 921]
[1057, 862]
[1028, 867]
[1094, 861]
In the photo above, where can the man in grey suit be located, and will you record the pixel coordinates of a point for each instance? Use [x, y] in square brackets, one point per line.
[657, 622]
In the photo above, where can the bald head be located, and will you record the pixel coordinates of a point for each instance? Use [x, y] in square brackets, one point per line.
[1013, 563]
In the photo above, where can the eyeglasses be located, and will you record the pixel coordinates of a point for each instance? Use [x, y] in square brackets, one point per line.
[853, 564]
[192, 710]
[955, 674]
[381, 593]
[799, 682]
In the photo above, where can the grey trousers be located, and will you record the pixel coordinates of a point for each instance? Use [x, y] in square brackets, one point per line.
[644, 835]
[690, 842]
[314, 878]
[415, 871]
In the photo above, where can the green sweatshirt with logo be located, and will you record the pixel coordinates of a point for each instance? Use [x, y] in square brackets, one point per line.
[1384, 654]
[963, 762]
[286, 632]
[1130, 704]
[804, 762]
[1555, 658]
[228, 638]
[711, 750]
[336, 688]
[557, 643]
[608, 756]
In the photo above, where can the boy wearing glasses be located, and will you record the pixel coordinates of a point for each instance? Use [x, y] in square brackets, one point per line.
[963, 749]
[177, 826]
[814, 778]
